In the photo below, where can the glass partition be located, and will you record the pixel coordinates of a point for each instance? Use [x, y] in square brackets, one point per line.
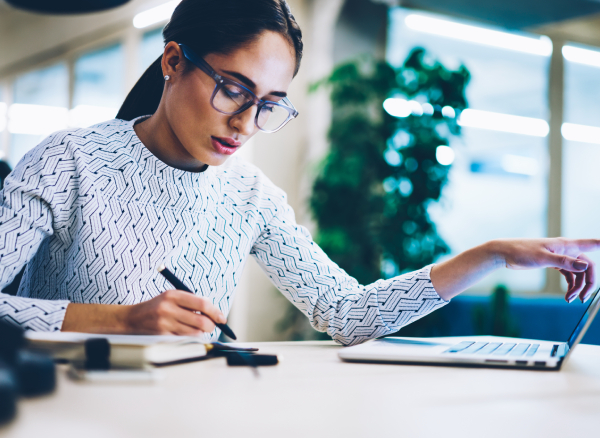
[497, 185]
[98, 86]
[40, 102]
[3, 110]
[151, 48]
[581, 146]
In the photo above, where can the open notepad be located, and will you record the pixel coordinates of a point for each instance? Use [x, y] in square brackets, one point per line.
[126, 351]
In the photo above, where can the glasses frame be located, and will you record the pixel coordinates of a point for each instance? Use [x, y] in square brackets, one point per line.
[221, 81]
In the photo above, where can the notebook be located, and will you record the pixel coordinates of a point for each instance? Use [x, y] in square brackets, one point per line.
[126, 351]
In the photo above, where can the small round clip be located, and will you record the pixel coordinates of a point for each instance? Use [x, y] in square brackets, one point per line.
[167, 77]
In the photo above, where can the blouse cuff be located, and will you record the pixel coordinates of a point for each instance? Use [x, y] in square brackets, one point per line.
[33, 314]
[427, 269]
[408, 297]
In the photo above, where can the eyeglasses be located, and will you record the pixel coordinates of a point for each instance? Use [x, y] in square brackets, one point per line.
[232, 98]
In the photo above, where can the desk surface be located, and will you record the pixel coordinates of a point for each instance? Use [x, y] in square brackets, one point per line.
[313, 393]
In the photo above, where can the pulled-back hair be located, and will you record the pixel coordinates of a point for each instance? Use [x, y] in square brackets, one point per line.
[212, 26]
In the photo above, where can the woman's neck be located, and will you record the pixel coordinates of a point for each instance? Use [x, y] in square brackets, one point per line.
[158, 137]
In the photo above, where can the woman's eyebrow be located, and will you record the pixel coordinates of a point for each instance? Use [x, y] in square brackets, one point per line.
[250, 84]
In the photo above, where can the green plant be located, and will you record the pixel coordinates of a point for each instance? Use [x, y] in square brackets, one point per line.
[370, 198]
[371, 194]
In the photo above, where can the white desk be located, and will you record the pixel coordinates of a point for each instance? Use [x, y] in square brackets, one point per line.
[314, 394]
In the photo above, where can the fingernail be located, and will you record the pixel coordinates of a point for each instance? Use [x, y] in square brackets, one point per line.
[580, 265]
[587, 297]
[571, 298]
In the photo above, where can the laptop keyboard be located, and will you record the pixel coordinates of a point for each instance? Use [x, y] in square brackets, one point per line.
[494, 349]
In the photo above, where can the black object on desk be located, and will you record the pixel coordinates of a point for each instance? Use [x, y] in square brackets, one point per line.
[176, 282]
[9, 393]
[36, 373]
[22, 372]
[97, 354]
[237, 358]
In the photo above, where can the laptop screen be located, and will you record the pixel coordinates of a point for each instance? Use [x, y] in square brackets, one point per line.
[590, 311]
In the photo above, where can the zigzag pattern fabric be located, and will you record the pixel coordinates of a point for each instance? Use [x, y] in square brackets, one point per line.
[92, 212]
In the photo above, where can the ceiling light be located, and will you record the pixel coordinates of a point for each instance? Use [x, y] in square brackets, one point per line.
[444, 155]
[581, 56]
[427, 108]
[448, 112]
[504, 40]
[503, 122]
[397, 107]
[415, 108]
[582, 133]
[155, 15]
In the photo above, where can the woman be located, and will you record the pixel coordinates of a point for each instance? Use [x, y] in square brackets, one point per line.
[92, 212]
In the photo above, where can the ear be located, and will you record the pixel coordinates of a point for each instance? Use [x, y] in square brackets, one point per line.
[173, 61]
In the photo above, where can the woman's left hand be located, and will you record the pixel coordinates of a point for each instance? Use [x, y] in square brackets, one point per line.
[565, 255]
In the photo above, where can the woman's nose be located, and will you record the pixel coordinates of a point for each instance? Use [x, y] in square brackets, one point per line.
[244, 122]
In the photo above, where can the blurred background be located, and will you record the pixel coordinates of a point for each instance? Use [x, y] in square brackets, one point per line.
[489, 129]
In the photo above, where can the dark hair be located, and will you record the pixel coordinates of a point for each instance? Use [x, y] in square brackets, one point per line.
[4, 171]
[212, 26]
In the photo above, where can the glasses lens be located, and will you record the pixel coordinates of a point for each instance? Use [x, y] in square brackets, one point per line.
[272, 116]
[231, 98]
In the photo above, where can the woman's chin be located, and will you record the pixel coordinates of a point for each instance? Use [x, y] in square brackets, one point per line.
[213, 158]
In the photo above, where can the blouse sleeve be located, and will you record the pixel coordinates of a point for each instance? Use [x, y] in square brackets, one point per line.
[333, 301]
[26, 220]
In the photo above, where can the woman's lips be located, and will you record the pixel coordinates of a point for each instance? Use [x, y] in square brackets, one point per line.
[225, 145]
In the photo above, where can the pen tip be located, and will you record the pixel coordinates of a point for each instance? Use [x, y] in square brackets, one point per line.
[161, 268]
[230, 333]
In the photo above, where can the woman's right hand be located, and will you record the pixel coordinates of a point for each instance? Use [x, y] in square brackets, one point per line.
[455, 275]
[173, 312]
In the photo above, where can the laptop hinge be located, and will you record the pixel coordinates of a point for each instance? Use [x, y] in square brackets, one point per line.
[559, 350]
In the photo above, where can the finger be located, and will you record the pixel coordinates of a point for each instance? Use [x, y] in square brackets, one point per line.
[181, 322]
[586, 245]
[185, 330]
[200, 304]
[195, 320]
[570, 279]
[566, 262]
[577, 285]
[590, 279]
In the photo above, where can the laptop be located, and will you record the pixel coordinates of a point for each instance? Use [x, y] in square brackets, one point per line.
[477, 351]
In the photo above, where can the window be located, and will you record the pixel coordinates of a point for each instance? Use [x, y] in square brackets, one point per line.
[581, 153]
[40, 103]
[40, 107]
[2, 122]
[498, 182]
[151, 48]
[98, 86]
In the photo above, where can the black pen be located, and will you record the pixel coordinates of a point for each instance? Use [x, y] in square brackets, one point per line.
[178, 284]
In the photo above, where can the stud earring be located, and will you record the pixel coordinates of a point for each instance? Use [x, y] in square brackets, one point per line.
[167, 77]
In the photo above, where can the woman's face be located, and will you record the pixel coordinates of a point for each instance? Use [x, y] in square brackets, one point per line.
[266, 67]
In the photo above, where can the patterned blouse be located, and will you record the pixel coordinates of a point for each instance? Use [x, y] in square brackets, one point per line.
[92, 212]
